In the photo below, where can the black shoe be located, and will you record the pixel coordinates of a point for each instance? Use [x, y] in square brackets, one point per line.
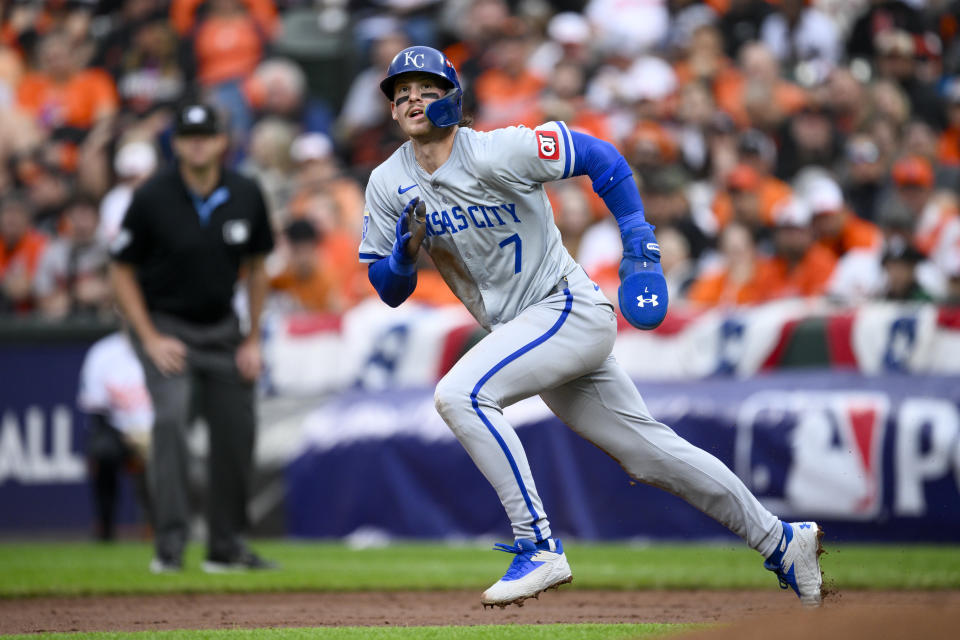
[244, 561]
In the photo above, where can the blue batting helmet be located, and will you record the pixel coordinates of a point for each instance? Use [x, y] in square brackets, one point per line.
[444, 112]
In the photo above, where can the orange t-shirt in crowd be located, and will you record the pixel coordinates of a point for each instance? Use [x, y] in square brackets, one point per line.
[771, 191]
[729, 94]
[349, 198]
[856, 233]
[459, 53]
[720, 6]
[87, 96]
[595, 123]
[432, 289]
[726, 74]
[808, 278]
[728, 86]
[652, 134]
[506, 100]
[346, 271]
[183, 14]
[226, 47]
[716, 288]
[948, 149]
[25, 254]
[936, 215]
[316, 293]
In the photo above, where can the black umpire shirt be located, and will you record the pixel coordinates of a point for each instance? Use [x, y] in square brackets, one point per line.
[187, 251]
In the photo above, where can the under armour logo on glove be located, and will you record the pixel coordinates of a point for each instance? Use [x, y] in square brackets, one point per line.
[641, 279]
[652, 300]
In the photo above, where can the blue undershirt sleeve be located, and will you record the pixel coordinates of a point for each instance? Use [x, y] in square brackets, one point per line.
[393, 286]
[609, 172]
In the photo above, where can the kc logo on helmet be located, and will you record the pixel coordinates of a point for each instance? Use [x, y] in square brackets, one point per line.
[816, 453]
[414, 59]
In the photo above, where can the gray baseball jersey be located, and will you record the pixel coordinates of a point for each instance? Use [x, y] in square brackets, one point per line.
[490, 228]
[492, 235]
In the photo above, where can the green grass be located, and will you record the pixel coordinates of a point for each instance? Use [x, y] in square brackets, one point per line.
[480, 632]
[43, 569]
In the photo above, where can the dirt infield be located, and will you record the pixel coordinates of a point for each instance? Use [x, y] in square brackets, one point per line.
[923, 614]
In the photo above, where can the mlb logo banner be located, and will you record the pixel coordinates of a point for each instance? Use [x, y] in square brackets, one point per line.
[814, 453]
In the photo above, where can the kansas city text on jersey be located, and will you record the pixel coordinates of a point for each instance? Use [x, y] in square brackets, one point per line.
[479, 216]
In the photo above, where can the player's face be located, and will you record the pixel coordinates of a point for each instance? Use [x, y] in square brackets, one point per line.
[411, 95]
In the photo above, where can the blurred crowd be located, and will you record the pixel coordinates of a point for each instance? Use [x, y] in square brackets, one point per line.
[782, 147]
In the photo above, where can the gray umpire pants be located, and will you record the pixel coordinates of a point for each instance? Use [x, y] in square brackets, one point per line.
[210, 385]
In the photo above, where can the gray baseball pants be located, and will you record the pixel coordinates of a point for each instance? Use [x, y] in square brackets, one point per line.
[560, 348]
[210, 386]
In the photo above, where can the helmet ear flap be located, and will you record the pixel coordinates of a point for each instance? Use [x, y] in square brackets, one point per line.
[446, 111]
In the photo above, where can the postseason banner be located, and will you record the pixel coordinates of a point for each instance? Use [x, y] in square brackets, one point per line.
[415, 345]
[871, 458]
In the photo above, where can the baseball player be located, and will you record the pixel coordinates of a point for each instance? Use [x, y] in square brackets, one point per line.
[475, 202]
[119, 412]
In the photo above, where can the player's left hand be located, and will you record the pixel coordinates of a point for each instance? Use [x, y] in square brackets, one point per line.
[249, 359]
[643, 289]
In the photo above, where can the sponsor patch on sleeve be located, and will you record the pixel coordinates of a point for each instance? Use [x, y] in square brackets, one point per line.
[548, 145]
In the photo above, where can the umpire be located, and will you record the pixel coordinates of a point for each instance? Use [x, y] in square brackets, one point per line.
[188, 234]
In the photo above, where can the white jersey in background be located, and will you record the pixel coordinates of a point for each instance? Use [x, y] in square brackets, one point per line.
[112, 384]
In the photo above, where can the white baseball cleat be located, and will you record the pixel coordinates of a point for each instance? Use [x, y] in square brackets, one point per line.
[798, 567]
[165, 565]
[536, 568]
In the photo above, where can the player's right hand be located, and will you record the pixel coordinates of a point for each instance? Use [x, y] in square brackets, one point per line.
[411, 231]
[167, 353]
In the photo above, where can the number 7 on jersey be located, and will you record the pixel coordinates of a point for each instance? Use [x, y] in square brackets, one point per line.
[515, 238]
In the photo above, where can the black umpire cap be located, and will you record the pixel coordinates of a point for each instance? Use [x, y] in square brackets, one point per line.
[197, 119]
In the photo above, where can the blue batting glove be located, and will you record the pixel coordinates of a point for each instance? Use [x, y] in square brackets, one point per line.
[403, 257]
[643, 289]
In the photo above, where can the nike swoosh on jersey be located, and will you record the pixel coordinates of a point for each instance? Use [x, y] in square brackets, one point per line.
[405, 189]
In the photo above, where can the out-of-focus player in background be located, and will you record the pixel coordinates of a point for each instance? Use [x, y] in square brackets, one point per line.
[114, 396]
[475, 201]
